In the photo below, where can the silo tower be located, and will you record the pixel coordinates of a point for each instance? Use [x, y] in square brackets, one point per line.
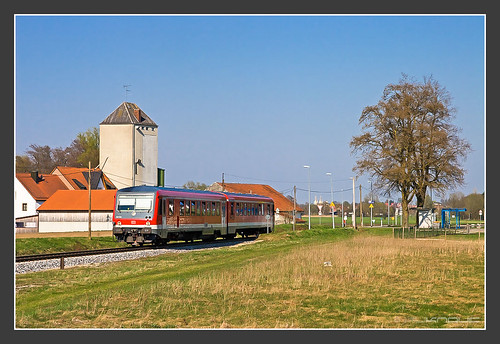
[128, 147]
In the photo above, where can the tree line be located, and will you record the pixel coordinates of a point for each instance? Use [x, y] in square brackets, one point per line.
[84, 148]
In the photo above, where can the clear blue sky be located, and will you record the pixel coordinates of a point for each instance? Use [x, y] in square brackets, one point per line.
[254, 97]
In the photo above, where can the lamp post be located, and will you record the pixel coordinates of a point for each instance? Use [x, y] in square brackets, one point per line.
[331, 197]
[343, 225]
[309, 182]
[353, 203]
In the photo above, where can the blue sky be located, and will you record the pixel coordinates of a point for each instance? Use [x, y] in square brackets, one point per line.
[254, 97]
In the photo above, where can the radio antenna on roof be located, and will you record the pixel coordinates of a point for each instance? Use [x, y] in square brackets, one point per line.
[126, 90]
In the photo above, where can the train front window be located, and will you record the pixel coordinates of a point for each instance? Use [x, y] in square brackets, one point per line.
[135, 203]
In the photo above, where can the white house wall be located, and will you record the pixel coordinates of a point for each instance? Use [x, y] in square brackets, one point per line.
[115, 153]
[21, 195]
[122, 144]
[56, 222]
[147, 151]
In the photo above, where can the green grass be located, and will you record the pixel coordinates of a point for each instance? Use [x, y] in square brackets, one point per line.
[27, 246]
[280, 281]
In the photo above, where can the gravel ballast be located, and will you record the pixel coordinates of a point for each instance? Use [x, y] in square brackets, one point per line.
[39, 265]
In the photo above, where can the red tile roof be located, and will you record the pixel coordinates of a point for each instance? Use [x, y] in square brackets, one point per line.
[74, 200]
[70, 173]
[280, 202]
[42, 190]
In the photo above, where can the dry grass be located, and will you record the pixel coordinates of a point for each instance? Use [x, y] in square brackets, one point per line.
[363, 282]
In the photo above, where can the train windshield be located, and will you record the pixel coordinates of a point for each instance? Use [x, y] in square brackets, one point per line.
[135, 203]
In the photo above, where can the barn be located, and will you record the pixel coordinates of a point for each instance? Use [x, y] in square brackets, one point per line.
[68, 211]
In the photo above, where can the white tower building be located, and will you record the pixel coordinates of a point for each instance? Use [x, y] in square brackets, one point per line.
[128, 147]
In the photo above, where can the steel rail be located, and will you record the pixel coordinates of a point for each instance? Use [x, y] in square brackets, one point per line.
[45, 256]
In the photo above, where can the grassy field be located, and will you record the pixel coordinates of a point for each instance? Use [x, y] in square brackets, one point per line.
[26, 246]
[321, 278]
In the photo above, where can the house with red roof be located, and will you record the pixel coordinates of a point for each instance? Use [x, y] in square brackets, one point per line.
[68, 211]
[283, 207]
[31, 190]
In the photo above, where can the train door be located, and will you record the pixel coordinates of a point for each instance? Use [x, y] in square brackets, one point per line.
[164, 213]
[223, 219]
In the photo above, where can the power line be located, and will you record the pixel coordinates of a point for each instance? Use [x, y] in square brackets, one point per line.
[341, 190]
[284, 181]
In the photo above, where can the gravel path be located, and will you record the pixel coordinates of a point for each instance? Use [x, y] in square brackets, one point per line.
[39, 265]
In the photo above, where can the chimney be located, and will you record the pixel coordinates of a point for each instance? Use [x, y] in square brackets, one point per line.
[137, 114]
[36, 177]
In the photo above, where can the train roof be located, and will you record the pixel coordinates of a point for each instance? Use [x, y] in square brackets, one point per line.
[181, 192]
[234, 195]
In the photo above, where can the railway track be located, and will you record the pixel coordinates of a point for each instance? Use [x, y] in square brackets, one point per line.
[61, 255]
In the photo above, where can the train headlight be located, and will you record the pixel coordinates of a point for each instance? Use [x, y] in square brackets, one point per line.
[119, 223]
[148, 223]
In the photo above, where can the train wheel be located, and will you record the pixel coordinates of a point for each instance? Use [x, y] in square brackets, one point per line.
[257, 234]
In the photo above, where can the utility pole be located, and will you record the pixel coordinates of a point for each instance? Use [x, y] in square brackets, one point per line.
[371, 204]
[309, 179]
[90, 203]
[331, 198]
[294, 204]
[353, 203]
[388, 201]
[360, 206]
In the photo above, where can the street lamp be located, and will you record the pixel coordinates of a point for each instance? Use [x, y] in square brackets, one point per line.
[331, 197]
[343, 224]
[353, 203]
[309, 180]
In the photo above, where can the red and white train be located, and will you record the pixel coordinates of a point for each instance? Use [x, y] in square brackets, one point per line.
[156, 215]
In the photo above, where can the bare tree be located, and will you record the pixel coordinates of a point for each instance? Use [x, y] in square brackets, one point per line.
[195, 186]
[84, 148]
[409, 143]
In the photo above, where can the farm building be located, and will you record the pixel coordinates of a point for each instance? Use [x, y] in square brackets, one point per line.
[31, 190]
[67, 211]
[283, 207]
[76, 178]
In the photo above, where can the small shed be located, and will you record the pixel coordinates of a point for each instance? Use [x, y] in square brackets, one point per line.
[68, 211]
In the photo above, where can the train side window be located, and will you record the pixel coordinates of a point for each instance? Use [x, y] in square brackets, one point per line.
[268, 209]
[217, 208]
[204, 208]
[193, 207]
[181, 208]
[198, 211]
[237, 209]
[213, 208]
[187, 212]
[170, 207]
[232, 208]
